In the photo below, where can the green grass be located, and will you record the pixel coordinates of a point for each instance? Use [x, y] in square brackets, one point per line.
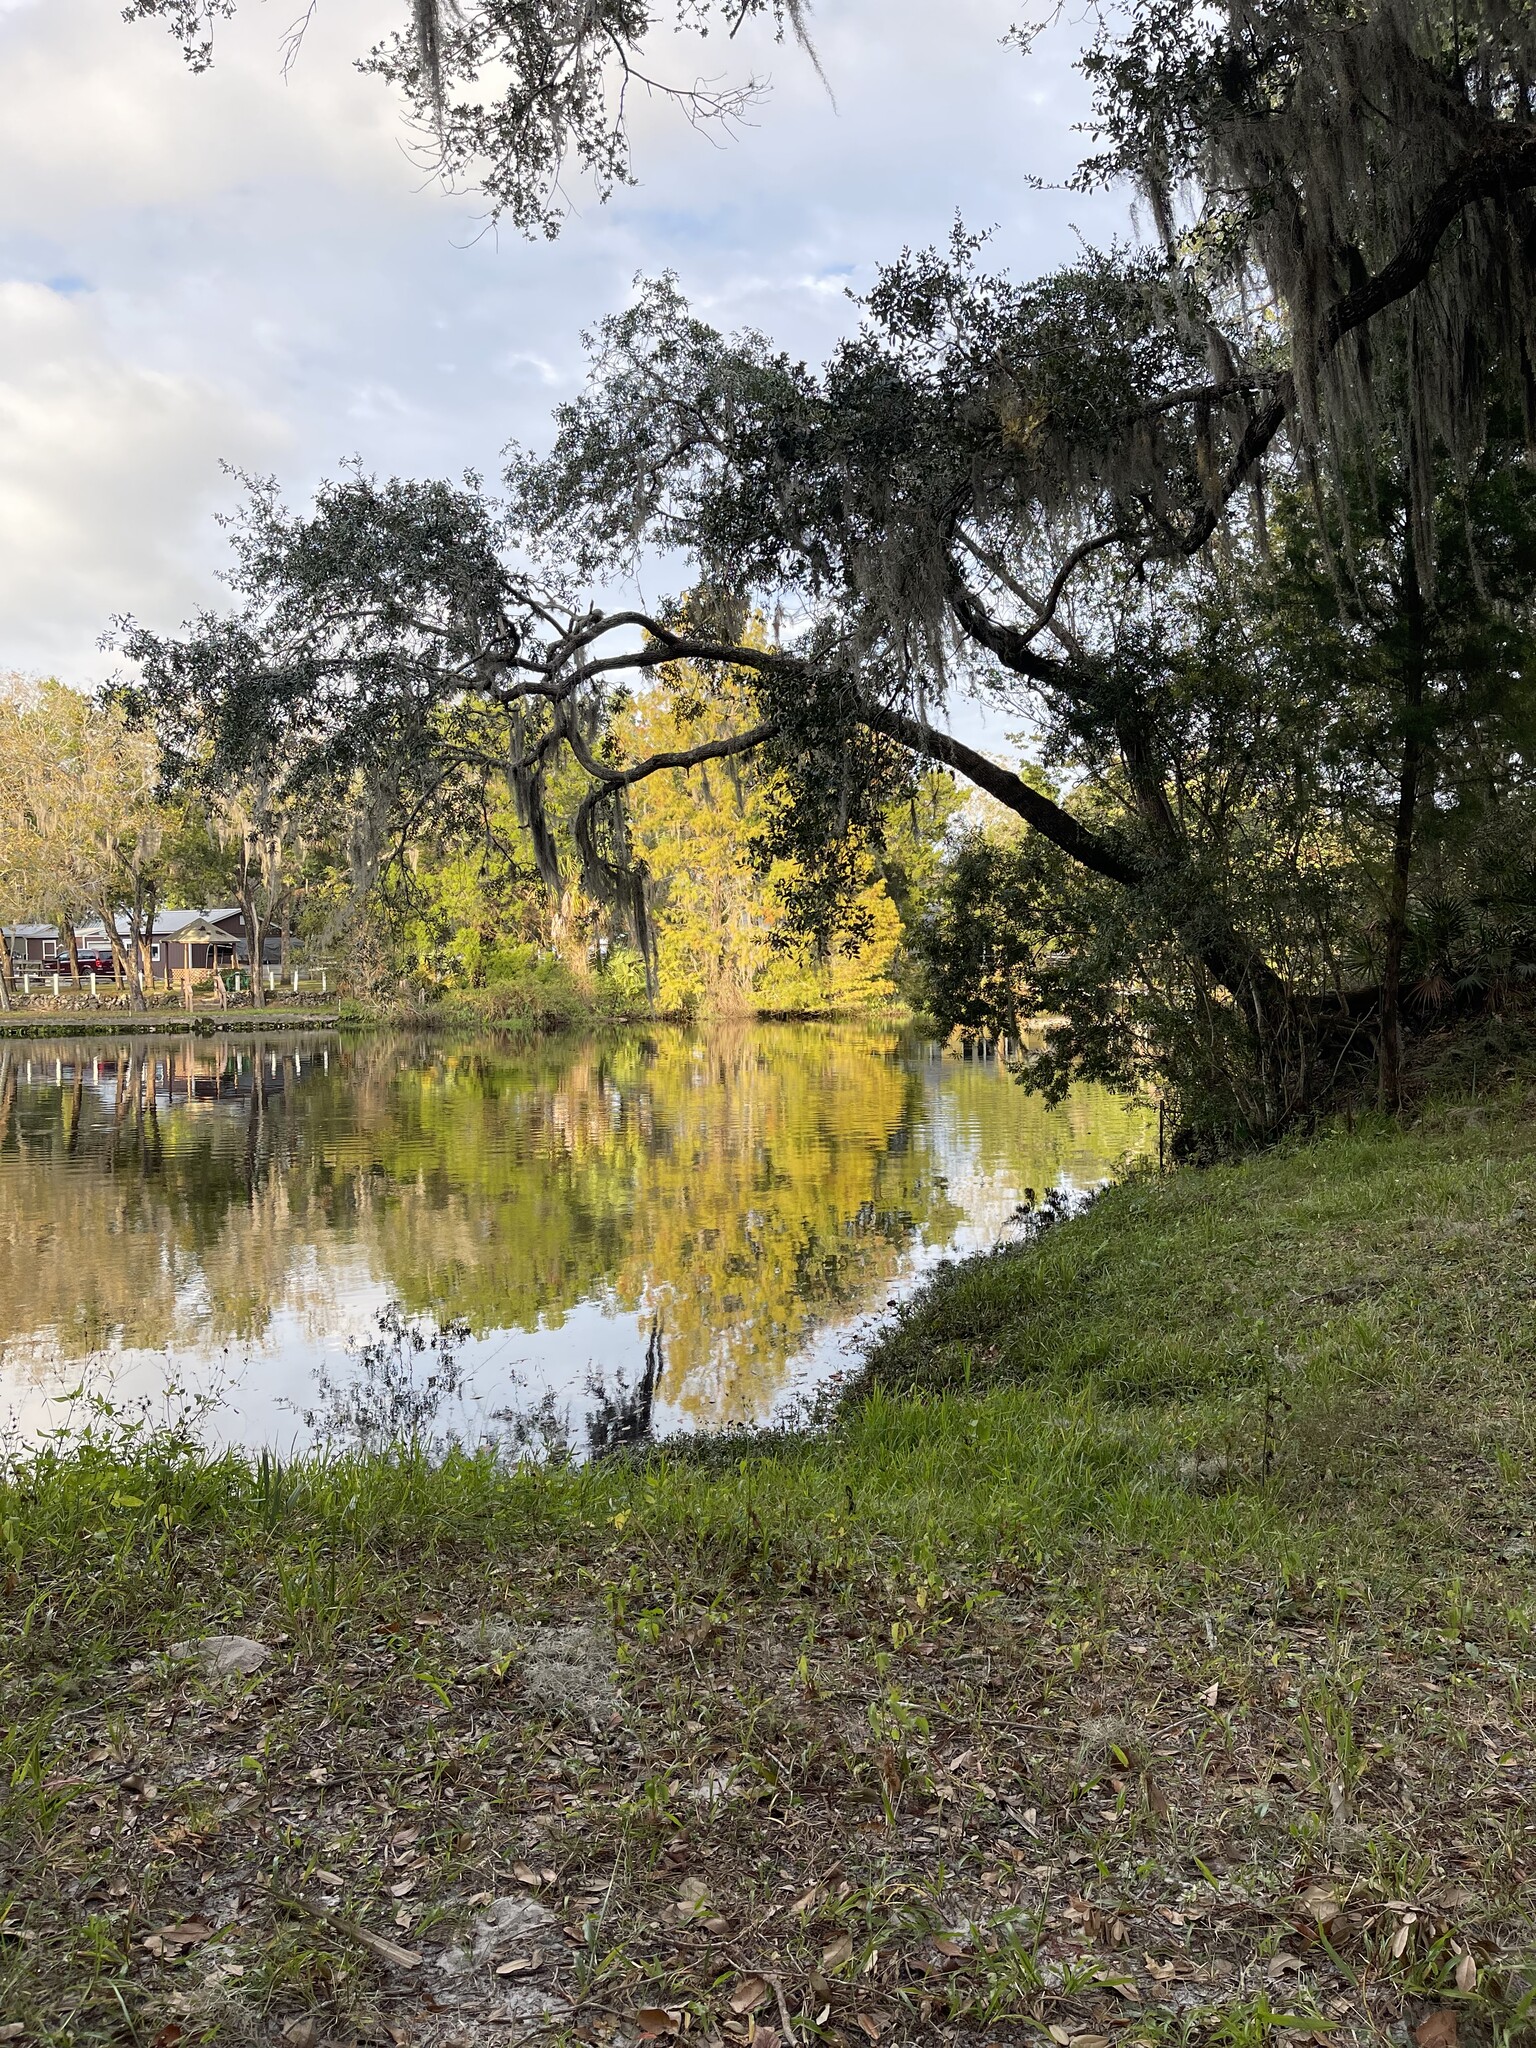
[1146, 1653]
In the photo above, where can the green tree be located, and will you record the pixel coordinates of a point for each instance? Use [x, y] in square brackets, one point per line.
[1026, 486]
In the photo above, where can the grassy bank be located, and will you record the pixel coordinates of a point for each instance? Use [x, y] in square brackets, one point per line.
[1145, 1655]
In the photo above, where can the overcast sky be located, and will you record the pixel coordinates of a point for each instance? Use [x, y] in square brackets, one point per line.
[235, 268]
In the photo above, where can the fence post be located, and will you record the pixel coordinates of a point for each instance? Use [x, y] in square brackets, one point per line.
[93, 984]
[295, 981]
[322, 981]
[271, 980]
[55, 985]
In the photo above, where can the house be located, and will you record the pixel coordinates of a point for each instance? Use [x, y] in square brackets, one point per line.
[202, 940]
[181, 943]
[37, 947]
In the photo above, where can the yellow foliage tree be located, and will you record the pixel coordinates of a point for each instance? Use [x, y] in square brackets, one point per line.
[723, 943]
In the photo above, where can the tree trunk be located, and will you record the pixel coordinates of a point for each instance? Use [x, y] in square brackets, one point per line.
[141, 926]
[74, 952]
[108, 917]
[256, 945]
[5, 972]
[1390, 1051]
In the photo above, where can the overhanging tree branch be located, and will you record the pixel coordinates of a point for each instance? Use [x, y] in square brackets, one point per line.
[1031, 804]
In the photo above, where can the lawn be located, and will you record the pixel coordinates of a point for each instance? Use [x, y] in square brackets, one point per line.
[1143, 1655]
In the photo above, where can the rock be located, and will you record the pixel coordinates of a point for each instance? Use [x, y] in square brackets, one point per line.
[222, 1656]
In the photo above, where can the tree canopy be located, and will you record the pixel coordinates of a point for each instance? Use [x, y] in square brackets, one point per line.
[1059, 493]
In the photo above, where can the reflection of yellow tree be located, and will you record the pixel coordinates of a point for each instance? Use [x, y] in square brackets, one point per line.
[747, 1184]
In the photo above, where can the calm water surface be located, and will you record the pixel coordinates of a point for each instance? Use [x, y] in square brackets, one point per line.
[232, 1216]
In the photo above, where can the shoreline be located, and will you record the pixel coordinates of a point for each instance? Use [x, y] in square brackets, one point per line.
[213, 1023]
[78, 1024]
[1153, 1630]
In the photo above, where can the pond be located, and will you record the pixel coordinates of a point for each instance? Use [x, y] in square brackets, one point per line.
[322, 1236]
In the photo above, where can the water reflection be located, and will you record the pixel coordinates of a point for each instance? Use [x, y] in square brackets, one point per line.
[254, 1204]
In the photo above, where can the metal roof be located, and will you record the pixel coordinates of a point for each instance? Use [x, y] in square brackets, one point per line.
[168, 924]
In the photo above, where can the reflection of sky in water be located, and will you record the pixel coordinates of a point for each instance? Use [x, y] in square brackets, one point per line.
[767, 1190]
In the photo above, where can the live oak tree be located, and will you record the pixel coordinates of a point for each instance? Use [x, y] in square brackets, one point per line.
[1289, 696]
[1017, 485]
[516, 96]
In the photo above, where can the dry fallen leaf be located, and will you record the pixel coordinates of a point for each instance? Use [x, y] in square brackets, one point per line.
[1466, 1973]
[1438, 2030]
[525, 1875]
[866, 2025]
[652, 2021]
[1211, 1695]
[184, 1934]
[301, 2034]
[750, 1993]
[520, 1966]
[1321, 1903]
[834, 1957]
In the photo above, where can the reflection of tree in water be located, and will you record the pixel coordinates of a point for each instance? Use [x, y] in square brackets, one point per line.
[748, 1183]
[620, 1416]
[146, 1194]
[396, 1388]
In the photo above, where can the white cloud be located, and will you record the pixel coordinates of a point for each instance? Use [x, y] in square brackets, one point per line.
[248, 269]
[105, 483]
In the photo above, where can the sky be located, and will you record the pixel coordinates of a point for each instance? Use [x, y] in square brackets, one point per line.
[242, 268]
